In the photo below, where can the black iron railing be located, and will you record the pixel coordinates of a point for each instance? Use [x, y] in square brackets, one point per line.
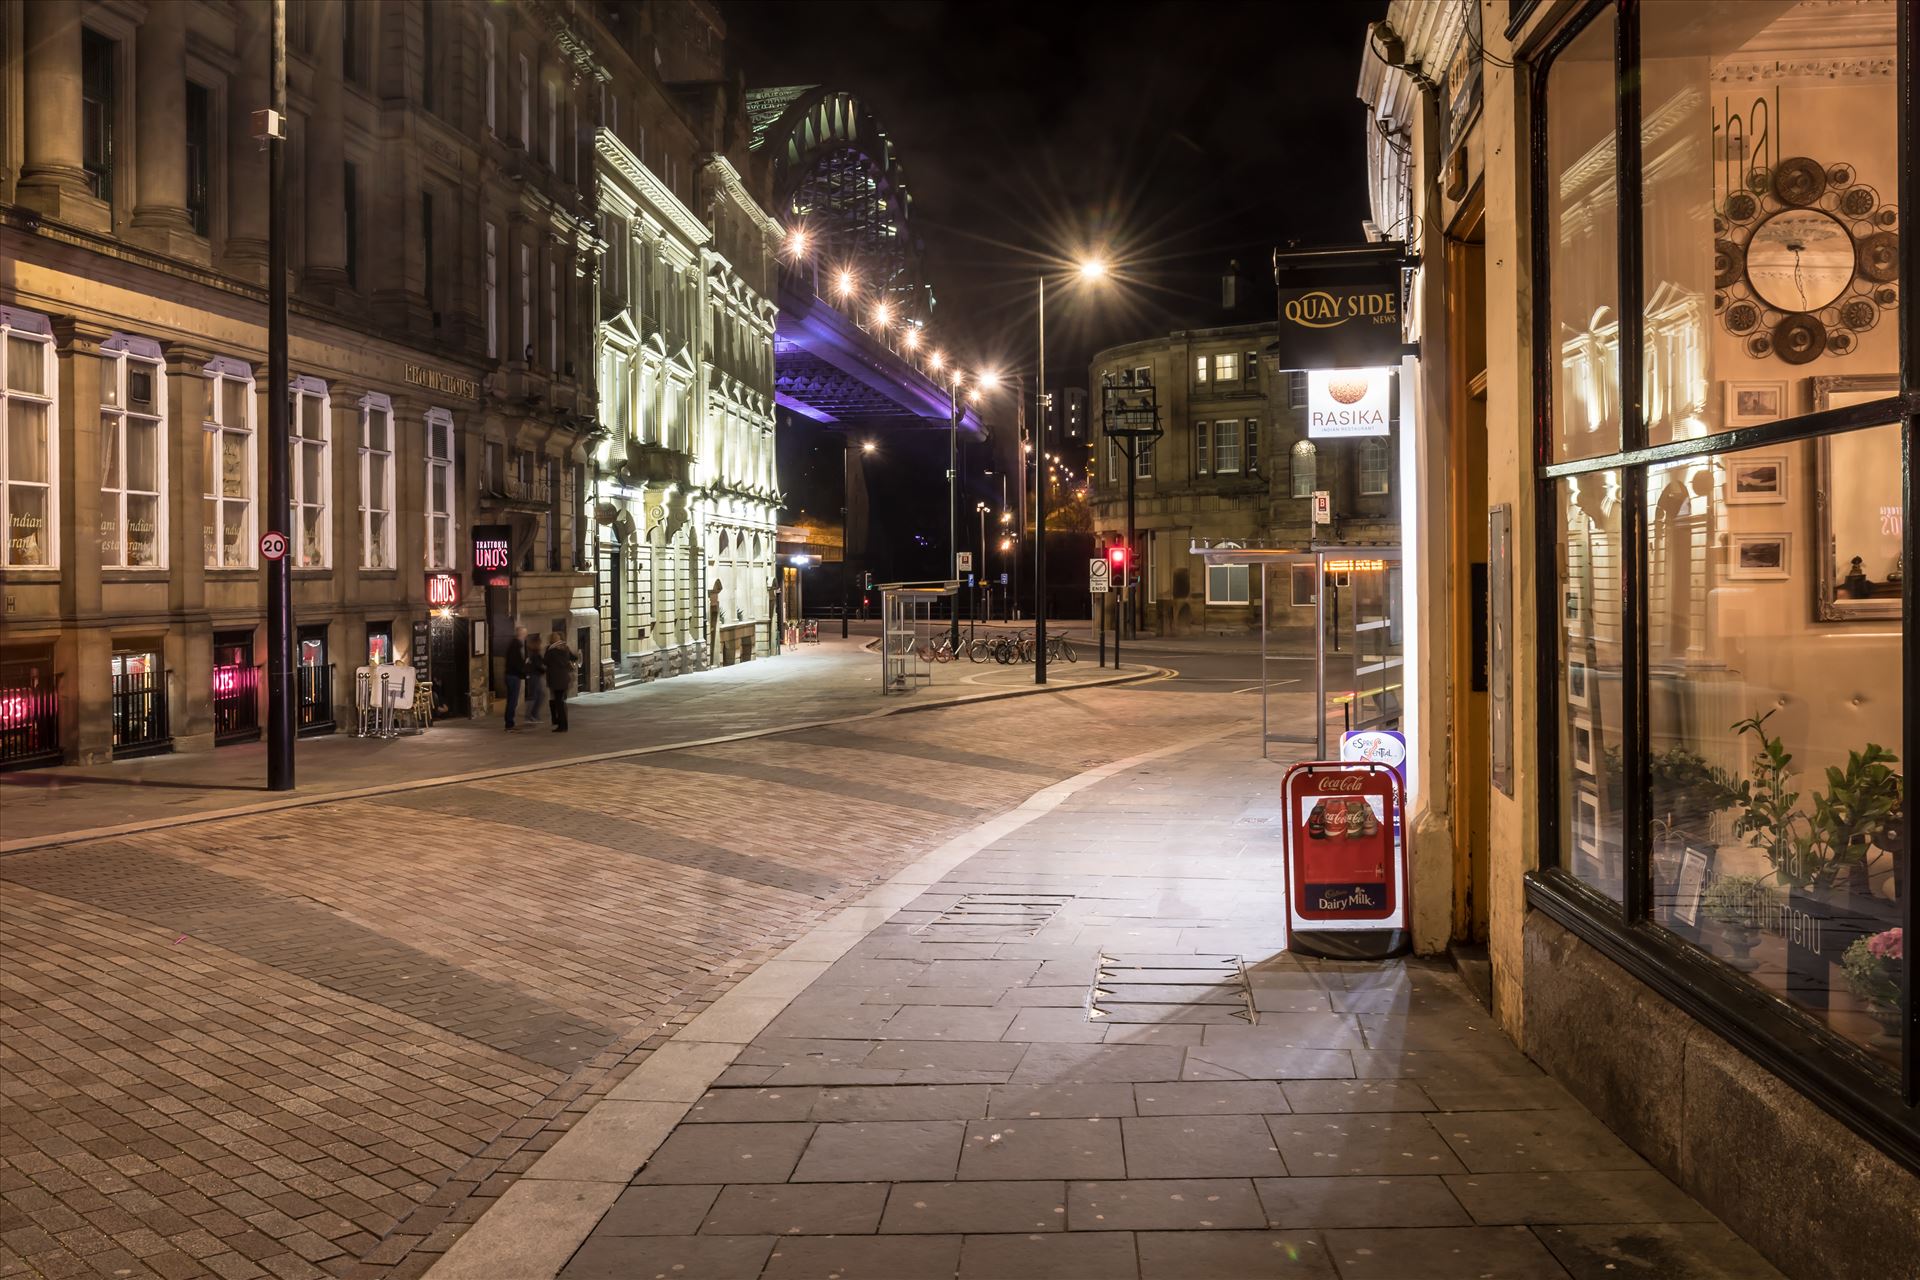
[140, 724]
[29, 726]
[316, 699]
[236, 703]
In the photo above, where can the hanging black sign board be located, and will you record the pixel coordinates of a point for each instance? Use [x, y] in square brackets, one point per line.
[1340, 308]
[493, 555]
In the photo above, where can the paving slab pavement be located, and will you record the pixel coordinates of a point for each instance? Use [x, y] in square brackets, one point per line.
[828, 682]
[928, 1095]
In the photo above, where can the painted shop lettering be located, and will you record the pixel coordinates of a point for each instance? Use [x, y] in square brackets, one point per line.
[1321, 310]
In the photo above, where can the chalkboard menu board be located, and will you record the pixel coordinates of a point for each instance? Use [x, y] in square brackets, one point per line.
[423, 651]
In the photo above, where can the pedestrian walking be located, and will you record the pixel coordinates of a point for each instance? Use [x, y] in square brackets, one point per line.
[536, 679]
[559, 661]
[516, 672]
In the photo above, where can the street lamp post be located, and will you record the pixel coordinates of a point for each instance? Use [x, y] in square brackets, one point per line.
[280, 695]
[953, 498]
[1040, 503]
[980, 509]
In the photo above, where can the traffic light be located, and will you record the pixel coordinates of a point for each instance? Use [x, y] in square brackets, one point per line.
[1117, 557]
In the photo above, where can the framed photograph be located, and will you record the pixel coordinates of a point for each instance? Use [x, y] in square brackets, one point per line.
[1758, 557]
[477, 631]
[1583, 748]
[1755, 481]
[1690, 886]
[1751, 403]
[1576, 683]
[1586, 821]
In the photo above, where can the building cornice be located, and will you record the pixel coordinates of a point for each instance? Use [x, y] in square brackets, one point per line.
[733, 185]
[655, 193]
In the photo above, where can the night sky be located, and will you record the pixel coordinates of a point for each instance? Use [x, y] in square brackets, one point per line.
[1175, 136]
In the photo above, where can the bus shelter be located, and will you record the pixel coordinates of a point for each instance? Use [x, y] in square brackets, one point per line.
[907, 631]
[1352, 654]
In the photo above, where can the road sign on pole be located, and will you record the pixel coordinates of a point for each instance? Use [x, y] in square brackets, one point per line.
[1099, 576]
[273, 545]
[1322, 506]
[963, 561]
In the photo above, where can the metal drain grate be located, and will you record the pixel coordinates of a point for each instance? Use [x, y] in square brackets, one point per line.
[1159, 989]
[986, 916]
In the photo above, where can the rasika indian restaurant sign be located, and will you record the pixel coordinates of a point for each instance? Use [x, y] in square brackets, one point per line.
[1349, 402]
[1339, 308]
[492, 555]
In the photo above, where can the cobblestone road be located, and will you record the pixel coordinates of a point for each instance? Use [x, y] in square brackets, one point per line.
[318, 1042]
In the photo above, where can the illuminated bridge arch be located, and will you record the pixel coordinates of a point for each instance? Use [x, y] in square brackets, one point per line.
[836, 173]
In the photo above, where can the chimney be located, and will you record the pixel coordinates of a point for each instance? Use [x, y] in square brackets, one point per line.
[1230, 286]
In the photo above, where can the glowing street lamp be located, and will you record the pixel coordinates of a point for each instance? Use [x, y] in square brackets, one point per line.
[881, 315]
[1092, 269]
[936, 360]
[845, 284]
[797, 244]
[912, 338]
[868, 446]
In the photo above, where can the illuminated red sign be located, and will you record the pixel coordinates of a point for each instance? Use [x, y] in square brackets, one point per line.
[13, 710]
[443, 590]
[1346, 863]
[493, 555]
[226, 679]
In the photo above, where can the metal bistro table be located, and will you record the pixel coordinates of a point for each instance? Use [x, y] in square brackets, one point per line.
[907, 630]
[1361, 681]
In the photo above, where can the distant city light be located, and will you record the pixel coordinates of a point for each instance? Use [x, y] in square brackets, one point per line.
[802, 560]
[882, 314]
[936, 360]
[911, 338]
[868, 446]
[845, 283]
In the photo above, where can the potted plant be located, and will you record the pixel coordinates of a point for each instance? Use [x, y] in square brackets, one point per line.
[1872, 969]
[1734, 903]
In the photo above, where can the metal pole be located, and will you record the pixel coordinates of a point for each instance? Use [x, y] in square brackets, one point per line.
[1320, 655]
[1126, 596]
[1040, 506]
[953, 505]
[1264, 730]
[280, 695]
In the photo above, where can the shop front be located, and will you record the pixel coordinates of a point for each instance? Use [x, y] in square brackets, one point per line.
[1668, 471]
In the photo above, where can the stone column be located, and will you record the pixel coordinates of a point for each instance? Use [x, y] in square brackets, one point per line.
[89, 678]
[246, 252]
[160, 219]
[53, 180]
[326, 268]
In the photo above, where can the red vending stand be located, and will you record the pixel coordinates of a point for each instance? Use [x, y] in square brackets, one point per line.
[1346, 861]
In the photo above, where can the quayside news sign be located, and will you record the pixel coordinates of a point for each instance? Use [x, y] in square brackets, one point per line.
[1339, 308]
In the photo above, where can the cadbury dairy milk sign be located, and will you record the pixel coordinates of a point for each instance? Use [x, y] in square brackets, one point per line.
[1339, 308]
[1349, 402]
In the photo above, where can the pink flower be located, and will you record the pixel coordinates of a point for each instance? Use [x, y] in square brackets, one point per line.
[1886, 946]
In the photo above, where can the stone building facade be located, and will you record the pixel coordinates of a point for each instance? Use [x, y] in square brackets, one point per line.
[441, 255]
[1234, 463]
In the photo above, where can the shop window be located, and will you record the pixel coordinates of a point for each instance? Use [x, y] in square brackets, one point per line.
[227, 470]
[133, 454]
[313, 679]
[1724, 710]
[236, 688]
[440, 489]
[1306, 469]
[1228, 584]
[1226, 447]
[139, 704]
[1582, 236]
[379, 643]
[376, 482]
[311, 441]
[1375, 467]
[29, 503]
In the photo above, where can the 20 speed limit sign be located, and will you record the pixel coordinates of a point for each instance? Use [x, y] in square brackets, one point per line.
[273, 545]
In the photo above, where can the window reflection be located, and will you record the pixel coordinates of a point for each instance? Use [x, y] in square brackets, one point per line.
[1777, 799]
[1592, 762]
[1582, 219]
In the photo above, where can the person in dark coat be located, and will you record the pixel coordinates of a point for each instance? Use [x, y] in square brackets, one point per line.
[516, 672]
[536, 678]
[559, 660]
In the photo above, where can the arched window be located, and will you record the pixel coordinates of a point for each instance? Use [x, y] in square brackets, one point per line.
[1373, 467]
[1306, 467]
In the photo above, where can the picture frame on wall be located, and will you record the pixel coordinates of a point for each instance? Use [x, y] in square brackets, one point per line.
[1756, 480]
[1759, 557]
[1586, 821]
[1583, 746]
[1576, 682]
[1748, 404]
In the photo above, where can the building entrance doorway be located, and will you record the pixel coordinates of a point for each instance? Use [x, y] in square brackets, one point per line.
[447, 667]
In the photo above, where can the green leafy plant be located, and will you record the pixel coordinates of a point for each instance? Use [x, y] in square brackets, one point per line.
[1862, 809]
[1735, 900]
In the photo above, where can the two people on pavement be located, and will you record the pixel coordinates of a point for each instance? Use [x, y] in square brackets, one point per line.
[542, 672]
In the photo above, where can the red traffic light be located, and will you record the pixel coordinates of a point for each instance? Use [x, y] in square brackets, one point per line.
[1117, 556]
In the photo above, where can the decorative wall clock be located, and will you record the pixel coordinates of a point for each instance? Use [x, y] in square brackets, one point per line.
[1805, 259]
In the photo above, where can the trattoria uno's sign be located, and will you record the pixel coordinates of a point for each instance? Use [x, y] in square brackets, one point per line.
[1349, 402]
[1339, 308]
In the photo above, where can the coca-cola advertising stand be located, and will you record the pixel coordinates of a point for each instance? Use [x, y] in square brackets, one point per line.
[1346, 860]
